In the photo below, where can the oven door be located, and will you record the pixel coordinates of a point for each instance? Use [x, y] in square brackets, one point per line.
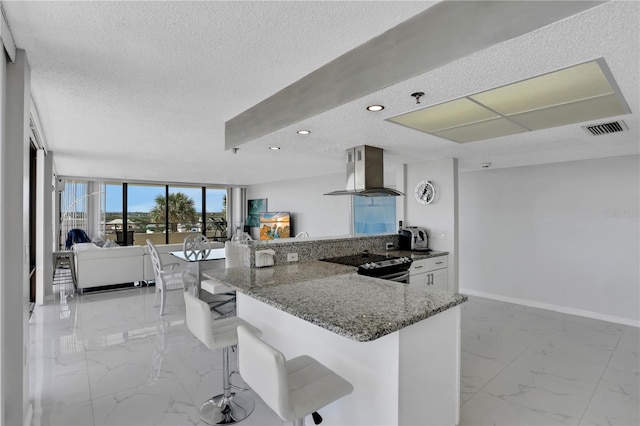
[398, 276]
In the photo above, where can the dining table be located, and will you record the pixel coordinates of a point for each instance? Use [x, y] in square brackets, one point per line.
[198, 260]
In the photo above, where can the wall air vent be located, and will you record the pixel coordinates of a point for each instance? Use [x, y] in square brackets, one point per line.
[606, 128]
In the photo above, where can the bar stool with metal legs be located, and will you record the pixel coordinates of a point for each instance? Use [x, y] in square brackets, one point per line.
[292, 388]
[228, 407]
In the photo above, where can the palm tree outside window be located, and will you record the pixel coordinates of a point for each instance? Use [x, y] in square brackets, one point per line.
[182, 212]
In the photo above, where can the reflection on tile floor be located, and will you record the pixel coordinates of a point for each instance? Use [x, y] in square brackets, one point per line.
[108, 359]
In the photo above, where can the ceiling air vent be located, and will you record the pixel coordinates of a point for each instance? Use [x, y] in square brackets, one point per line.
[606, 128]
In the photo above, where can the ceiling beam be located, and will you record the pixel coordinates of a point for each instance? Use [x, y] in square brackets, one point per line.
[448, 31]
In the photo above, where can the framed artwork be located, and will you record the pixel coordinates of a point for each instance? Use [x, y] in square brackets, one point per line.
[254, 208]
[275, 225]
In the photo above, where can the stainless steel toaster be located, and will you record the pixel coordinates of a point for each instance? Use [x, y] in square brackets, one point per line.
[414, 238]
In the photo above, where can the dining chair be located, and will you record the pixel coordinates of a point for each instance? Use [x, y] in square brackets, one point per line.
[196, 246]
[292, 388]
[169, 276]
[227, 407]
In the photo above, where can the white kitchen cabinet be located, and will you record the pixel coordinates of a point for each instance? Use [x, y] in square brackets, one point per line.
[431, 272]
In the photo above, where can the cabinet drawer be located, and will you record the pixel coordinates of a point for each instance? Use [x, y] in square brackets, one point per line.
[423, 265]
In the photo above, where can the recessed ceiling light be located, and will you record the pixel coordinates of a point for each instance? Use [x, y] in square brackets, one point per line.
[304, 132]
[375, 108]
[274, 148]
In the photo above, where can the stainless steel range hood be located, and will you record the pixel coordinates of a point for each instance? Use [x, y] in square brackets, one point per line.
[365, 173]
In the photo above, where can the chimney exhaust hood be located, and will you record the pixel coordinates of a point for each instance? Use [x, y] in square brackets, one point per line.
[365, 173]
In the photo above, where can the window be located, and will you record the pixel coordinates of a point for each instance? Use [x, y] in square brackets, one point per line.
[185, 212]
[110, 210]
[73, 208]
[131, 214]
[216, 217]
[374, 215]
[145, 215]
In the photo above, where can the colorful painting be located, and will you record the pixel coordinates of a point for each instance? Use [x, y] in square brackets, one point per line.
[275, 225]
[254, 208]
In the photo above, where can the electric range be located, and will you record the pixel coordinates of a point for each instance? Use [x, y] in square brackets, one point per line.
[377, 265]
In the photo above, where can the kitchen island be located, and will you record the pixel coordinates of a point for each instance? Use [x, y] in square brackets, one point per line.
[398, 344]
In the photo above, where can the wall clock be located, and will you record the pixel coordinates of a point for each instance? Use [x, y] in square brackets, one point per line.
[425, 192]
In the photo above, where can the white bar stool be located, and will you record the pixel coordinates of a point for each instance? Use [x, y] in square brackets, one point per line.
[294, 388]
[217, 289]
[228, 407]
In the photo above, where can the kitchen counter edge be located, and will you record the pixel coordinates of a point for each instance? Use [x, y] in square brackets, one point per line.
[325, 279]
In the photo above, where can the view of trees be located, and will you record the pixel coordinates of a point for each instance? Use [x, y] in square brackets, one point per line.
[181, 209]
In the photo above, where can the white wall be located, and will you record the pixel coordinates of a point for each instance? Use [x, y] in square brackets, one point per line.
[14, 243]
[319, 215]
[441, 216]
[563, 236]
[3, 264]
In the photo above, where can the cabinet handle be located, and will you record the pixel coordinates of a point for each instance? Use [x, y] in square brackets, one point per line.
[418, 267]
[430, 279]
[439, 263]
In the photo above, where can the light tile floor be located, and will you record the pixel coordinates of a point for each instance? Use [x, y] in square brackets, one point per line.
[526, 366]
[108, 359]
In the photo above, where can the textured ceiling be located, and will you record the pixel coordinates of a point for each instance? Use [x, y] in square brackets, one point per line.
[141, 90]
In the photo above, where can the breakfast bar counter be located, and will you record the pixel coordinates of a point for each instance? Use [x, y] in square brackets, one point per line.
[337, 299]
[397, 344]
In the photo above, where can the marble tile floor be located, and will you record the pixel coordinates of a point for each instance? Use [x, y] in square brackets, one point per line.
[108, 359]
[526, 366]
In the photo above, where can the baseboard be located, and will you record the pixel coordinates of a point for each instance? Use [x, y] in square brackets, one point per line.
[555, 308]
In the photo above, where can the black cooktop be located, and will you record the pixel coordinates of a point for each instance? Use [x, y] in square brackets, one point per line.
[356, 259]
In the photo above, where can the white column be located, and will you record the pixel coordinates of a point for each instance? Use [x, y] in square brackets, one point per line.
[14, 248]
[440, 217]
[45, 190]
[238, 208]
[57, 196]
[93, 209]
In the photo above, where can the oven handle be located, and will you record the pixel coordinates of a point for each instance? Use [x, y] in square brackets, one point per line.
[402, 276]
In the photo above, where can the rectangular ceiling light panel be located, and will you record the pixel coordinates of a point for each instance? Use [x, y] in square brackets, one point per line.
[556, 88]
[575, 112]
[571, 95]
[484, 130]
[459, 112]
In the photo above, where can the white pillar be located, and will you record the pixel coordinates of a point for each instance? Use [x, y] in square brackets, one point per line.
[441, 216]
[238, 209]
[58, 241]
[93, 209]
[14, 243]
[45, 190]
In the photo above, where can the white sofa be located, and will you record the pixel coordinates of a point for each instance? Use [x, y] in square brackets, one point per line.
[96, 267]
